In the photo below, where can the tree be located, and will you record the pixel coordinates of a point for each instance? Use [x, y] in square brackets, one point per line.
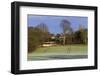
[77, 37]
[43, 27]
[34, 38]
[81, 35]
[66, 28]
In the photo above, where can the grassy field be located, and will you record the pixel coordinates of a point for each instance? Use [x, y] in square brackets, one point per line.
[66, 50]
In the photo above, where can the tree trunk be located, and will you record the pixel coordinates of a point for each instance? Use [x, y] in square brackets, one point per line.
[64, 40]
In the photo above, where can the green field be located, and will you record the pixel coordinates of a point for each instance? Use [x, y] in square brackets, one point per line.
[67, 50]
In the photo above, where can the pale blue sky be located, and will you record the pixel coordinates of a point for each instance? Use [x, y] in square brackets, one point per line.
[53, 22]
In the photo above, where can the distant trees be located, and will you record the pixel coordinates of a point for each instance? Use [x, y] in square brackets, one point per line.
[76, 37]
[80, 36]
[66, 28]
[43, 27]
[36, 36]
[83, 34]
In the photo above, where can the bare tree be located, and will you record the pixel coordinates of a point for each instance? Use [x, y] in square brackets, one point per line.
[65, 25]
[43, 27]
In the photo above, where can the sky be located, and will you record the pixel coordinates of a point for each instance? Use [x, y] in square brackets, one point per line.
[53, 22]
